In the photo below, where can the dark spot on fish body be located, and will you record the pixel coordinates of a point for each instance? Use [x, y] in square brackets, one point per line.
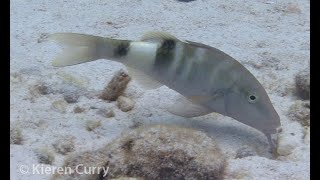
[122, 49]
[168, 45]
[165, 55]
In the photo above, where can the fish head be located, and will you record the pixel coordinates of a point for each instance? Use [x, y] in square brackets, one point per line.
[249, 103]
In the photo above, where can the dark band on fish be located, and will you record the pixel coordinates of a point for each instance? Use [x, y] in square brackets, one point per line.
[167, 46]
[165, 53]
[122, 49]
[181, 65]
[193, 72]
[185, 60]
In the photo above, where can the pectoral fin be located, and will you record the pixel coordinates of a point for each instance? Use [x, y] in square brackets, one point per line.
[185, 108]
[199, 99]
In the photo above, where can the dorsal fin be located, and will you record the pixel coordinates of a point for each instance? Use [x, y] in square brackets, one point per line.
[200, 45]
[158, 35]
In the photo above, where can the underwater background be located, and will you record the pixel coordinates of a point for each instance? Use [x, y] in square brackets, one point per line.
[60, 119]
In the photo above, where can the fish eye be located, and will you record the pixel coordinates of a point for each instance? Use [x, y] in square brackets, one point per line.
[252, 98]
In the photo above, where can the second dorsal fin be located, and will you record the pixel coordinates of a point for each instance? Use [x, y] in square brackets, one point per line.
[158, 35]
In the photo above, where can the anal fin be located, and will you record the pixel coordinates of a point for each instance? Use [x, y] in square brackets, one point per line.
[144, 80]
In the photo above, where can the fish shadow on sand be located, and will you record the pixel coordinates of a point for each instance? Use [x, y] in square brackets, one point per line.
[228, 133]
[234, 135]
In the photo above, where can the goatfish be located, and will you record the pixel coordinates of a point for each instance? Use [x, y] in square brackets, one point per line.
[208, 79]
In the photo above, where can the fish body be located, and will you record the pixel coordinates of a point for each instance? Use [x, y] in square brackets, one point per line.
[209, 79]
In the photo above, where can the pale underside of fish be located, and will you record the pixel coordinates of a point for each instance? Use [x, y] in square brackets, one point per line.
[209, 79]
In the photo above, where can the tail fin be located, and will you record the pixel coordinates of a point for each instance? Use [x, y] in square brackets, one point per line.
[80, 48]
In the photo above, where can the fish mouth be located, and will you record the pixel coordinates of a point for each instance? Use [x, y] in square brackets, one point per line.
[274, 124]
[273, 128]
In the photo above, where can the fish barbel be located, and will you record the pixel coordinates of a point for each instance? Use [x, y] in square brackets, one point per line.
[209, 79]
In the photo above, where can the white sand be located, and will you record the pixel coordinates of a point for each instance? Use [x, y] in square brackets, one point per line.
[273, 35]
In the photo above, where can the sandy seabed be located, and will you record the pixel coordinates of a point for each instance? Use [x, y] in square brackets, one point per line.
[270, 38]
